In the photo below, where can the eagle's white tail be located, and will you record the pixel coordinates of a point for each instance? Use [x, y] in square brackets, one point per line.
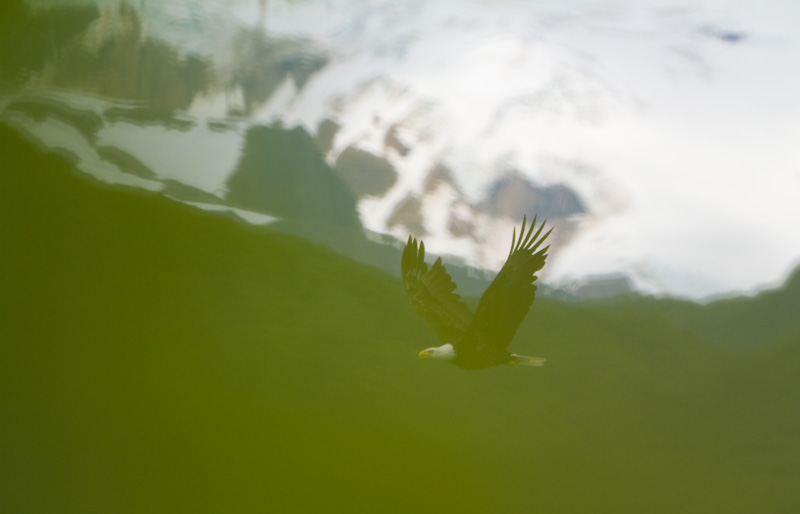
[523, 360]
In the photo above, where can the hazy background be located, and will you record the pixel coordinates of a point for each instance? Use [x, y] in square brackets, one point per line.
[204, 205]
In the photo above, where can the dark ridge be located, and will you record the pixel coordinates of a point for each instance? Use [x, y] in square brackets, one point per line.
[281, 172]
[745, 322]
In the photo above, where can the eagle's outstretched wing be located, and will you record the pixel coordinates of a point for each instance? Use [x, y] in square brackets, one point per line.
[507, 300]
[431, 294]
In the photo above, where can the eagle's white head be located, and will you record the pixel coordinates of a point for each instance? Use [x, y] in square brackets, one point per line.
[446, 352]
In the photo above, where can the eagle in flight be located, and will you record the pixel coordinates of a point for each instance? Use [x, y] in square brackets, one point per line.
[481, 340]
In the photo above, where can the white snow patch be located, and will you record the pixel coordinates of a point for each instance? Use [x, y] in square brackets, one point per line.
[255, 218]
[55, 134]
[198, 157]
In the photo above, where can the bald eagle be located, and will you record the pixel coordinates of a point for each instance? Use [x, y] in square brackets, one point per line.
[479, 341]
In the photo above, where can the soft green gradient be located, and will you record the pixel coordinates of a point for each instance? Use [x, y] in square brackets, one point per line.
[156, 358]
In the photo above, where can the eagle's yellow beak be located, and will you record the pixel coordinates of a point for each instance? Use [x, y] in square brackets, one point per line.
[426, 354]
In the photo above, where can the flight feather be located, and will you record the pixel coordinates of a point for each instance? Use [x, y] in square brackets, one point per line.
[507, 300]
[431, 293]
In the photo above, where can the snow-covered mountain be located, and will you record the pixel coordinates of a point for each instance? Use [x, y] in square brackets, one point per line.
[659, 138]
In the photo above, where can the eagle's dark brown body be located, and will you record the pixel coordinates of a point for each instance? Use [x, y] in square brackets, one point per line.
[478, 340]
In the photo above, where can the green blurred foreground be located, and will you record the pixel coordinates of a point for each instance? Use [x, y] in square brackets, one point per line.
[155, 358]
